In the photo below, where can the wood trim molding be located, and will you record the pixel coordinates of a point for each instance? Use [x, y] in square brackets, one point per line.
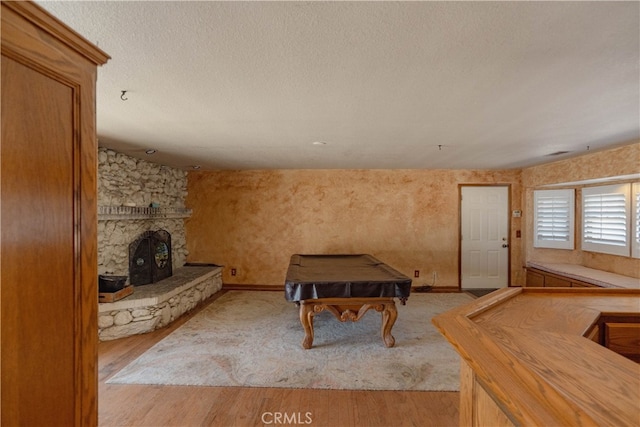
[58, 29]
[251, 287]
[445, 289]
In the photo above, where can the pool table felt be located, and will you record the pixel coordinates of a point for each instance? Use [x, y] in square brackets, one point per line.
[343, 276]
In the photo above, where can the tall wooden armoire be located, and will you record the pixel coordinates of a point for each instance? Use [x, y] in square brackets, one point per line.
[48, 221]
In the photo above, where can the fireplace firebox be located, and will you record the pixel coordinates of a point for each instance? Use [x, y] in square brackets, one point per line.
[150, 258]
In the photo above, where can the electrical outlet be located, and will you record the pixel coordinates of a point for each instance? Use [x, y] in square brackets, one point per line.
[416, 273]
[233, 271]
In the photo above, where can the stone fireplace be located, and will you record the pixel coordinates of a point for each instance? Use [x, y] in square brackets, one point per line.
[127, 187]
[141, 235]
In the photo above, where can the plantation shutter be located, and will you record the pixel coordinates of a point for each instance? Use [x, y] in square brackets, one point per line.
[605, 219]
[554, 212]
[635, 248]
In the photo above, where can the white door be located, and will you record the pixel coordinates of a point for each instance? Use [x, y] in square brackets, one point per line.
[484, 237]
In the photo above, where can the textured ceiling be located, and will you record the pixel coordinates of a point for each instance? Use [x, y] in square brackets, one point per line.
[393, 85]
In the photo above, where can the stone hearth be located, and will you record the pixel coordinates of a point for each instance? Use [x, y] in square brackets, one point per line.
[153, 306]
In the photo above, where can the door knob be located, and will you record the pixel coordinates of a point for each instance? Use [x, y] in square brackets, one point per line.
[505, 245]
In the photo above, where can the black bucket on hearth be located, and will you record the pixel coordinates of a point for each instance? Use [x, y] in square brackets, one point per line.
[111, 284]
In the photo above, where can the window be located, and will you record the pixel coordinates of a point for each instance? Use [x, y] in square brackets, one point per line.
[605, 219]
[554, 212]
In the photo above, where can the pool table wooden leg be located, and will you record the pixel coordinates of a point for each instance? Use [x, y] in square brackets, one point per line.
[389, 316]
[306, 318]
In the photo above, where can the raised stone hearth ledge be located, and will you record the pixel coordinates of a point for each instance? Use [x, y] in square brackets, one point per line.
[156, 305]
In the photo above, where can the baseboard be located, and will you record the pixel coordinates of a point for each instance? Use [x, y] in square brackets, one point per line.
[445, 289]
[438, 289]
[251, 287]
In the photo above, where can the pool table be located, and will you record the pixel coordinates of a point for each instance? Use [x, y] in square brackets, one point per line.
[347, 286]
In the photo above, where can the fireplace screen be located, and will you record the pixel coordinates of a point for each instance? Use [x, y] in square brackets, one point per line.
[150, 257]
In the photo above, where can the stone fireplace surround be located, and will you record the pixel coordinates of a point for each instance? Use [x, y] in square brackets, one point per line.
[127, 187]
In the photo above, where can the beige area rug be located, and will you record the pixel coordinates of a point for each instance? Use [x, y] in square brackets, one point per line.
[253, 339]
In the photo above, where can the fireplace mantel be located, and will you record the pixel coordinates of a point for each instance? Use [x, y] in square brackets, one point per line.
[136, 212]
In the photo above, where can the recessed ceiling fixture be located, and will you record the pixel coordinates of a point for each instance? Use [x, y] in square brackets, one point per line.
[151, 151]
[319, 143]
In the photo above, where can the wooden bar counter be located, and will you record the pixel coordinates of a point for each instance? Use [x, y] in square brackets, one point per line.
[545, 356]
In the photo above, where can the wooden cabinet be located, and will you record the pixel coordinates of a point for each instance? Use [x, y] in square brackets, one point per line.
[48, 221]
[477, 407]
[619, 333]
[623, 338]
[553, 281]
[535, 278]
[540, 278]
[575, 284]
[526, 361]
[594, 334]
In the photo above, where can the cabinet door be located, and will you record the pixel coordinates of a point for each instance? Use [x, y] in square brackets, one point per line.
[582, 285]
[534, 279]
[37, 246]
[624, 339]
[557, 282]
[48, 223]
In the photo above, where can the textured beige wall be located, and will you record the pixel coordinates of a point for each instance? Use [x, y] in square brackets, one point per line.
[255, 220]
[610, 163]
[618, 161]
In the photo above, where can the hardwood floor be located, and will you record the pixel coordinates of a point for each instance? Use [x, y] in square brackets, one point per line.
[152, 405]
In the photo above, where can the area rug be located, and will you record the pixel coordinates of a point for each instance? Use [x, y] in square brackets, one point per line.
[253, 339]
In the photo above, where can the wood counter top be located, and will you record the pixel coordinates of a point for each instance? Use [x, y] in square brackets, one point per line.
[527, 349]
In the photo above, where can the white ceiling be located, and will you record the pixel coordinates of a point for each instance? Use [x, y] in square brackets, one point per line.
[391, 85]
